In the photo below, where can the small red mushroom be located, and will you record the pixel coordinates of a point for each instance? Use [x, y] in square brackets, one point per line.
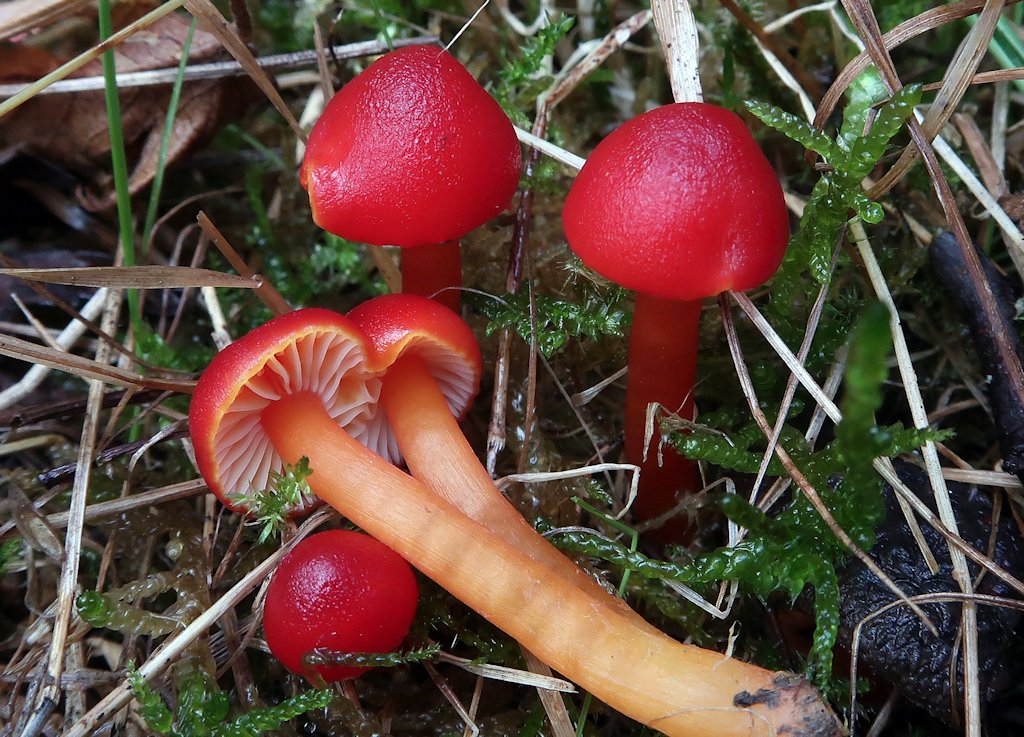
[342, 591]
[678, 204]
[413, 152]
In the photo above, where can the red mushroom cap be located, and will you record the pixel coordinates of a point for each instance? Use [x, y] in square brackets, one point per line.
[312, 350]
[339, 590]
[396, 324]
[679, 203]
[411, 152]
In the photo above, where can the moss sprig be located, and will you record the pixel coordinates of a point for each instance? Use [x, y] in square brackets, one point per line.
[848, 160]
[270, 508]
[10, 551]
[522, 77]
[558, 320]
[104, 610]
[323, 656]
[202, 708]
[257, 721]
[736, 450]
[152, 707]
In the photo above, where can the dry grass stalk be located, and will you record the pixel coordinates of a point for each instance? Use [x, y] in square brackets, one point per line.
[680, 45]
[31, 90]
[86, 368]
[67, 587]
[208, 12]
[929, 20]
[136, 277]
[955, 83]
[799, 479]
[65, 340]
[222, 69]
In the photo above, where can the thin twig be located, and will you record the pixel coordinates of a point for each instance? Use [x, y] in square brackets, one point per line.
[265, 291]
[221, 69]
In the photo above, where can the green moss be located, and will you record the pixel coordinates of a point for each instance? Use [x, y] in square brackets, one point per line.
[557, 321]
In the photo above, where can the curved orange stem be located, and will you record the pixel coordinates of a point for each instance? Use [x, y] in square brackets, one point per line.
[438, 454]
[680, 690]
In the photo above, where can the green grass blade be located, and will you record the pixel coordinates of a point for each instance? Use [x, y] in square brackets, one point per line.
[165, 140]
[119, 161]
[1007, 47]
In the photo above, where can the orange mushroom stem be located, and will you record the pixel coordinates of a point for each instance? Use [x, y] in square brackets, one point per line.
[680, 690]
[432, 375]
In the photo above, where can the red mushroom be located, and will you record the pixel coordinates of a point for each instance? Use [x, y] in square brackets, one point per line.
[413, 152]
[678, 204]
[681, 690]
[342, 591]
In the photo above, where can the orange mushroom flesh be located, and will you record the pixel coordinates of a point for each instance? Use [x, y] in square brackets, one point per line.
[680, 690]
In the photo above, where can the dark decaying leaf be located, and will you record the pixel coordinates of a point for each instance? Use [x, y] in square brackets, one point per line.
[71, 129]
[1008, 408]
[897, 648]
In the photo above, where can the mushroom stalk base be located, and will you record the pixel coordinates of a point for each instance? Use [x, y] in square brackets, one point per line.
[427, 432]
[432, 271]
[662, 369]
[680, 690]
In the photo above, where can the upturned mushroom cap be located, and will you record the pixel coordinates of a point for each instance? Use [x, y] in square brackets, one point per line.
[311, 350]
[403, 324]
[679, 203]
[411, 152]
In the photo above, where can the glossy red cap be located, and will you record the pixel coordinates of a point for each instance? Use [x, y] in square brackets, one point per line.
[395, 324]
[411, 152]
[679, 203]
[339, 590]
[312, 350]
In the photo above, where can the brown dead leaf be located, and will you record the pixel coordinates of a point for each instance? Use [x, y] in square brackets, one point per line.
[72, 129]
[22, 62]
[22, 16]
[1014, 206]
